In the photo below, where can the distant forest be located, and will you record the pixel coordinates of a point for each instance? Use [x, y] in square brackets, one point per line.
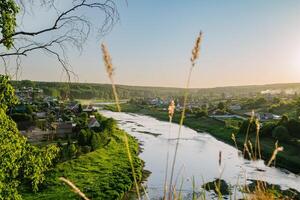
[103, 91]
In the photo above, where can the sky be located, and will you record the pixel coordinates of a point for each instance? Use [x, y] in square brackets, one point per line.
[244, 43]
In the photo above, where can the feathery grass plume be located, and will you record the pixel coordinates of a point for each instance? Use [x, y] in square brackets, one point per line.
[234, 140]
[171, 110]
[275, 152]
[195, 56]
[109, 69]
[248, 129]
[74, 188]
[196, 49]
[257, 143]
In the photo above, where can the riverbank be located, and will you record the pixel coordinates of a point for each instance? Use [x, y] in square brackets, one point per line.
[288, 159]
[101, 174]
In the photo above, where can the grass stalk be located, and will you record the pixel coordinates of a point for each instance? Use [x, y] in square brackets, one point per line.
[74, 188]
[110, 70]
[195, 55]
[171, 110]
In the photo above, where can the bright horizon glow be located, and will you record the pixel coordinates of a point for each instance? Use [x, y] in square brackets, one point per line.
[245, 43]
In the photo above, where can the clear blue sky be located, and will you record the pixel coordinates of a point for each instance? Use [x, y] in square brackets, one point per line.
[245, 42]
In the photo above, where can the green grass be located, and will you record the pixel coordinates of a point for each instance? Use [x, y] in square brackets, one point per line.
[288, 159]
[102, 174]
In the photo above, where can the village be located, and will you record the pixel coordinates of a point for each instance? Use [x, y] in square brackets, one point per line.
[45, 118]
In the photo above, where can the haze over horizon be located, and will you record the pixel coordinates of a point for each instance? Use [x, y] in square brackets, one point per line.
[245, 43]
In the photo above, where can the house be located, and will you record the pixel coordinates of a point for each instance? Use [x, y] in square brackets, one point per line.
[235, 107]
[93, 122]
[264, 116]
[63, 128]
[89, 110]
[268, 116]
[41, 115]
[252, 114]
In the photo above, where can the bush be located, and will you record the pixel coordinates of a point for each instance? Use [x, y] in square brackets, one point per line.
[281, 133]
[95, 141]
[267, 128]
[86, 149]
[202, 113]
[19, 117]
[110, 125]
[293, 127]
[245, 125]
[84, 137]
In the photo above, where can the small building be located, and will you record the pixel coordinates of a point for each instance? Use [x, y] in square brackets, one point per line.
[93, 123]
[269, 116]
[235, 107]
[63, 128]
[41, 115]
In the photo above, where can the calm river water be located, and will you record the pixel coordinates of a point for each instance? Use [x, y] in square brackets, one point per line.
[198, 156]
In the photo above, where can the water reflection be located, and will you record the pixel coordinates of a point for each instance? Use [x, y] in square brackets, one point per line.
[198, 156]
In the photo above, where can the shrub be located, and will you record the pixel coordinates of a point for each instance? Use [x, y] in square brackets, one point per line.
[245, 125]
[202, 113]
[281, 133]
[267, 128]
[95, 141]
[293, 127]
[284, 120]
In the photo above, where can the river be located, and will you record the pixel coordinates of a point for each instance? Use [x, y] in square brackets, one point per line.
[198, 156]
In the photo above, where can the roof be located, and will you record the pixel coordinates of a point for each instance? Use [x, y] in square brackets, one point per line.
[93, 123]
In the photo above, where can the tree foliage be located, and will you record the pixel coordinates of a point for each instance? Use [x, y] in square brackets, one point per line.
[20, 162]
[9, 10]
[281, 133]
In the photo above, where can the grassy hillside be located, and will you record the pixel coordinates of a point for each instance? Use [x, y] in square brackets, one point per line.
[102, 174]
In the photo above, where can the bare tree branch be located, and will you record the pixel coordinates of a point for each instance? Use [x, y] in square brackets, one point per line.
[68, 30]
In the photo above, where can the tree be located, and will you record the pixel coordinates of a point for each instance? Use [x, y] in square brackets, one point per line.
[247, 126]
[95, 141]
[201, 113]
[20, 162]
[284, 120]
[221, 105]
[281, 133]
[267, 129]
[69, 29]
[109, 125]
[293, 127]
[9, 10]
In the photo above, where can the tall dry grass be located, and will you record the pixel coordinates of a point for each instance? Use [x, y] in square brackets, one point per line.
[261, 191]
[109, 69]
[194, 57]
[171, 110]
[74, 188]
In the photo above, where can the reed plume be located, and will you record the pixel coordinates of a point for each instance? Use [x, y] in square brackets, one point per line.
[196, 49]
[257, 143]
[195, 56]
[171, 110]
[275, 152]
[109, 69]
[74, 188]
